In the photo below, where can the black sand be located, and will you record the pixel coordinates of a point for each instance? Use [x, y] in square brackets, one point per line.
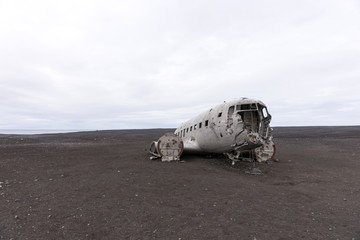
[102, 185]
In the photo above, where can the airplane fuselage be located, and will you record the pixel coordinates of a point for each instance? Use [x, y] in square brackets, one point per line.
[235, 126]
[239, 129]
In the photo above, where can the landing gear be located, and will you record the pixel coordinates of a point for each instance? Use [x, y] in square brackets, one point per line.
[237, 156]
[169, 148]
[247, 156]
[265, 152]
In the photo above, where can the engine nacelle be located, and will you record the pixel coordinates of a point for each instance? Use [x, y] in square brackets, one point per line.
[169, 147]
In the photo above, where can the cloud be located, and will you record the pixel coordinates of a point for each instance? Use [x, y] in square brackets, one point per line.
[143, 64]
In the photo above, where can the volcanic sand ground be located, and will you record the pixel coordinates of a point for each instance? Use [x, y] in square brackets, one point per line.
[102, 185]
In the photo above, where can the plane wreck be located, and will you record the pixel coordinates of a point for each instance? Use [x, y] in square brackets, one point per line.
[240, 129]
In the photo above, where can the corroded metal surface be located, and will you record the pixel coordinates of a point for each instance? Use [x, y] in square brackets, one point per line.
[169, 147]
[240, 129]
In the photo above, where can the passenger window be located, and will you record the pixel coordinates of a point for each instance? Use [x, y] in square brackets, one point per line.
[206, 123]
[190, 128]
[219, 115]
[195, 127]
[184, 133]
[187, 130]
[200, 125]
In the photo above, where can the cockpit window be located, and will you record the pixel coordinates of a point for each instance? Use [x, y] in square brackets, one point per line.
[264, 112]
[246, 107]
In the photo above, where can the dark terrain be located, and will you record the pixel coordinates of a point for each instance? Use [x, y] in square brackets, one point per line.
[102, 185]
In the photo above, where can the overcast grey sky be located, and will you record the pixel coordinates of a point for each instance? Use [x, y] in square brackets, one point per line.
[156, 63]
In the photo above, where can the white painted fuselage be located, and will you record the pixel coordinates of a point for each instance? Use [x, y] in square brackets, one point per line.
[232, 127]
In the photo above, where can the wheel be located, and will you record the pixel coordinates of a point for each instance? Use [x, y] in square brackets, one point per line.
[265, 152]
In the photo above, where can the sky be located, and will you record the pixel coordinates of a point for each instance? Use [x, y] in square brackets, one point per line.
[129, 64]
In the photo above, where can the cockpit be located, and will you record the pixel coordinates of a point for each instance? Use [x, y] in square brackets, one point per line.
[255, 117]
